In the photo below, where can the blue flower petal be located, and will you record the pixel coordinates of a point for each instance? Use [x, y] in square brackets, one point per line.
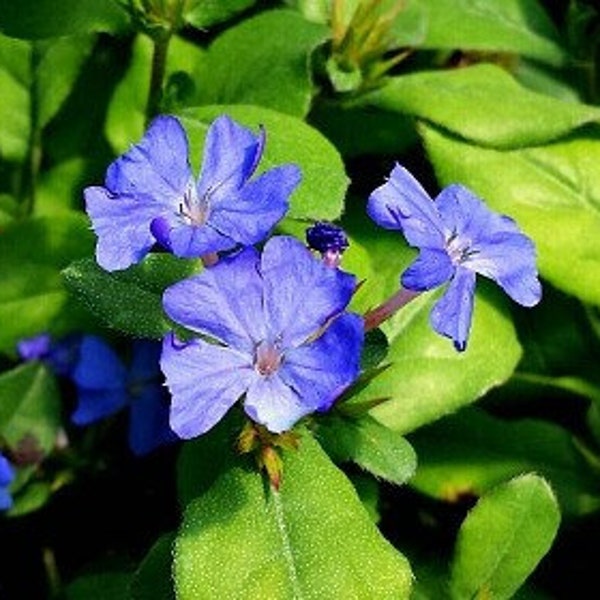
[205, 381]
[301, 293]
[34, 348]
[231, 154]
[497, 248]
[144, 362]
[431, 268]
[320, 371]
[249, 216]
[98, 367]
[401, 203]
[224, 301]
[272, 403]
[122, 225]
[451, 314]
[149, 420]
[156, 170]
[189, 241]
[7, 473]
[96, 404]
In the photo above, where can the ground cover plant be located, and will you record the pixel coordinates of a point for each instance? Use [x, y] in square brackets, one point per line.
[299, 299]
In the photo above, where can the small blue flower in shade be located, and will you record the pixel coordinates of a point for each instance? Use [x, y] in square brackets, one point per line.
[281, 339]
[151, 195]
[458, 237]
[105, 386]
[6, 476]
[59, 355]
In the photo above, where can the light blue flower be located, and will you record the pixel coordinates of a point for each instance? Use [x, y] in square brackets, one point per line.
[458, 237]
[281, 339]
[150, 195]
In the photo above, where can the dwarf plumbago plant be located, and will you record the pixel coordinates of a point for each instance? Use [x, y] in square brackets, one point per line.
[300, 306]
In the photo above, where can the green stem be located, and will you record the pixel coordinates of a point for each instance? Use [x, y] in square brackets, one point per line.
[157, 76]
[33, 159]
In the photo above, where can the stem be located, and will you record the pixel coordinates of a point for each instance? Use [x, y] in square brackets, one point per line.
[374, 318]
[159, 64]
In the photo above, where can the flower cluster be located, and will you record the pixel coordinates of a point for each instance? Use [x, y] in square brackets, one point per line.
[270, 328]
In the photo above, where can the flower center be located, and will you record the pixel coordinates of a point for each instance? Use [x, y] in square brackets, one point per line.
[458, 250]
[194, 209]
[267, 357]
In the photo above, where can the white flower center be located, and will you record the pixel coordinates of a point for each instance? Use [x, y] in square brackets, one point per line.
[195, 209]
[267, 357]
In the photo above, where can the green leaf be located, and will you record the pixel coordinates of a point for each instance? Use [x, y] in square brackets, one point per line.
[312, 539]
[462, 100]
[259, 62]
[36, 78]
[31, 498]
[206, 13]
[30, 408]
[503, 539]
[321, 193]
[552, 191]
[131, 300]
[427, 378]
[369, 444]
[470, 452]
[32, 296]
[510, 26]
[31, 19]
[152, 580]
[99, 586]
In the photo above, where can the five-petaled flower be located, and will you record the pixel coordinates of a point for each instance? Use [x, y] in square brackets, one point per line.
[105, 386]
[457, 236]
[150, 195]
[279, 333]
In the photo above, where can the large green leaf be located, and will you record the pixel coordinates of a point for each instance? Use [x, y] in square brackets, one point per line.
[152, 580]
[552, 191]
[311, 539]
[471, 452]
[32, 296]
[131, 300]
[511, 26]
[36, 78]
[33, 19]
[427, 378]
[30, 410]
[264, 60]
[503, 539]
[472, 104]
[321, 193]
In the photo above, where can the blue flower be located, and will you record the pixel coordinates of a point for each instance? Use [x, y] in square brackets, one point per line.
[282, 339]
[457, 236]
[150, 195]
[6, 476]
[328, 239]
[105, 386]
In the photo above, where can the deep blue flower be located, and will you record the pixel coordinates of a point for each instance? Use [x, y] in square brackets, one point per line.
[151, 195]
[458, 236]
[6, 476]
[282, 339]
[105, 386]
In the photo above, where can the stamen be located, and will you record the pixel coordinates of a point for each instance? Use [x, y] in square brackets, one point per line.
[267, 357]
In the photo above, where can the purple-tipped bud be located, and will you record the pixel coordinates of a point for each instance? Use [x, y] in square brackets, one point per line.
[328, 239]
